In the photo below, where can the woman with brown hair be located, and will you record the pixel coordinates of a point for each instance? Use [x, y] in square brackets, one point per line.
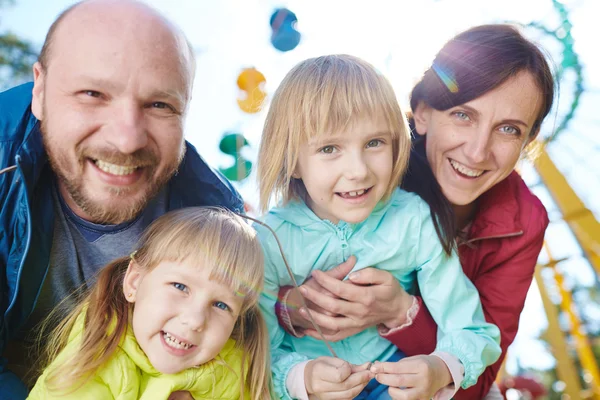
[476, 111]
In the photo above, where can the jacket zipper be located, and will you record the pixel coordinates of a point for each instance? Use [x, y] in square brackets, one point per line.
[8, 169]
[507, 235]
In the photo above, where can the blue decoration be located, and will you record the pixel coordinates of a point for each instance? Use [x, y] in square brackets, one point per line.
[285, 37]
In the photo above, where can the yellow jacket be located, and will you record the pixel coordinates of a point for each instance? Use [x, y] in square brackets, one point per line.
[128, 375]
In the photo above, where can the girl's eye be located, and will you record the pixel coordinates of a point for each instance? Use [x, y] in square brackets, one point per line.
[374, 143]
[461, 115]
[180, 286]
[511, 130]
[327, 149]
[222, 306]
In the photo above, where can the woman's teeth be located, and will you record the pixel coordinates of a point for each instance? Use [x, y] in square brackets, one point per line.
[466, 171]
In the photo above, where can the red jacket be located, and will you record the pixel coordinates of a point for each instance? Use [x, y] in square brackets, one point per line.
[499, 256]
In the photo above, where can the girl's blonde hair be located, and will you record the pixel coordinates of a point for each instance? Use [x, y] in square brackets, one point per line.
[212, 237]
[324, 95]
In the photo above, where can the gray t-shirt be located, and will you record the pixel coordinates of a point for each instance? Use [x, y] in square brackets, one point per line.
[81, 248]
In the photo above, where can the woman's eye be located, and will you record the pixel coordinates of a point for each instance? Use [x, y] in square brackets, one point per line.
[327, 149]
[180, 286]
[511, 130]
[374, 143]
[461, 115]
[222, 306]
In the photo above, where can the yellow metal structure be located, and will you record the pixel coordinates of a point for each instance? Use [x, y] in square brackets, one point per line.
[565, 368]
[586, 229]
[581, 220]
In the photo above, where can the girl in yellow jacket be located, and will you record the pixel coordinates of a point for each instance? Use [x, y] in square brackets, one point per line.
[179, 315]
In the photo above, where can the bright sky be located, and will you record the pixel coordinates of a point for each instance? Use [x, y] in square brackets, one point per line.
[400, 37]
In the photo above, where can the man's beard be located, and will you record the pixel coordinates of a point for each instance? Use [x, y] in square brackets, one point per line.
[111, 212]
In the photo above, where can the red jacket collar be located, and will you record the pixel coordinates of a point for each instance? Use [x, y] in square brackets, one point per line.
[498, 211]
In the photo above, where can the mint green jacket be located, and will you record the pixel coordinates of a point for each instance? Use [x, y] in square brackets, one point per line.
[399, 237]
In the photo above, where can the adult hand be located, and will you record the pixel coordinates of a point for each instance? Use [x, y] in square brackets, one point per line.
[180, 395]
[370, 297]
[333, 378]
[413, 378]
[299, 319]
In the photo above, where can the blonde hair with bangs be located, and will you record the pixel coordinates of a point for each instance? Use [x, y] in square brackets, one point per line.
[321, 96]
[212, 237]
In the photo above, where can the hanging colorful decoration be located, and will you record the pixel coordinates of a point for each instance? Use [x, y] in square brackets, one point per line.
[570, 61]
[232, 144]
[251, 83]
[285, 37]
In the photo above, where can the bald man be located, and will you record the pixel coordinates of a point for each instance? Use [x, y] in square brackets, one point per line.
[90, 154]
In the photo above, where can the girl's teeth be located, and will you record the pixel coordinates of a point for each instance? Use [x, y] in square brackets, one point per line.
[114, 169]
[171, 341]
[464, 170]
[355, 194]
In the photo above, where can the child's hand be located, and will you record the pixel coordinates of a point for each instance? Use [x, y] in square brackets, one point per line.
[332, 378]
[413, 378]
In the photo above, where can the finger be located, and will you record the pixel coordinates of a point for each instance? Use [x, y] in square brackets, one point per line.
[405, 394]
[342, 289]
[405, 366]
[398, 380]
[370, 276]
[333, 370]
[342, 270]
[351, 387]
[331, 304]
[334, 324]
[362, 367]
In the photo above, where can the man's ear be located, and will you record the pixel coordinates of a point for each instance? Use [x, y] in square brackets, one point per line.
[132, 280]
[37, 101]
[422, 116]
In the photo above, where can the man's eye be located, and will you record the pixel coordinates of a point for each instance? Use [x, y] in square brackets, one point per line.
[180, 286]
[162, 106]
[92, 93]
[222, 306]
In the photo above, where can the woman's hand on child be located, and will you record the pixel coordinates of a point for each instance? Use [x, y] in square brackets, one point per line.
[369, 297]
[329, 378]
[413, 378]
[300, 320]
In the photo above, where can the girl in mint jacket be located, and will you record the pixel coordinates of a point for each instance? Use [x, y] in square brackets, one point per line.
[179, 319]
[334, 148]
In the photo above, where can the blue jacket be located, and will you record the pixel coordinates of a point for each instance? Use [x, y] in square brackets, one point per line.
[27, 215]
[398, 237]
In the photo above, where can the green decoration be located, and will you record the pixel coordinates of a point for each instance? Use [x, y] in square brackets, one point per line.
[570, 61]
[232, 144]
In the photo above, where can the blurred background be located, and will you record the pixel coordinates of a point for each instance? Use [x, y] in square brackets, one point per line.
[245, 47]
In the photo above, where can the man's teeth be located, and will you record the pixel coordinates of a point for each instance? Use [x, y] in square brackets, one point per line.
[114, 169]
[354, 194]
[464, 170]
[171, 341]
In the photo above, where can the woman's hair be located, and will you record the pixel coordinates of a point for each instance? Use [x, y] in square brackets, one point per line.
[212, 237]
[322, 96]
[468, 66]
